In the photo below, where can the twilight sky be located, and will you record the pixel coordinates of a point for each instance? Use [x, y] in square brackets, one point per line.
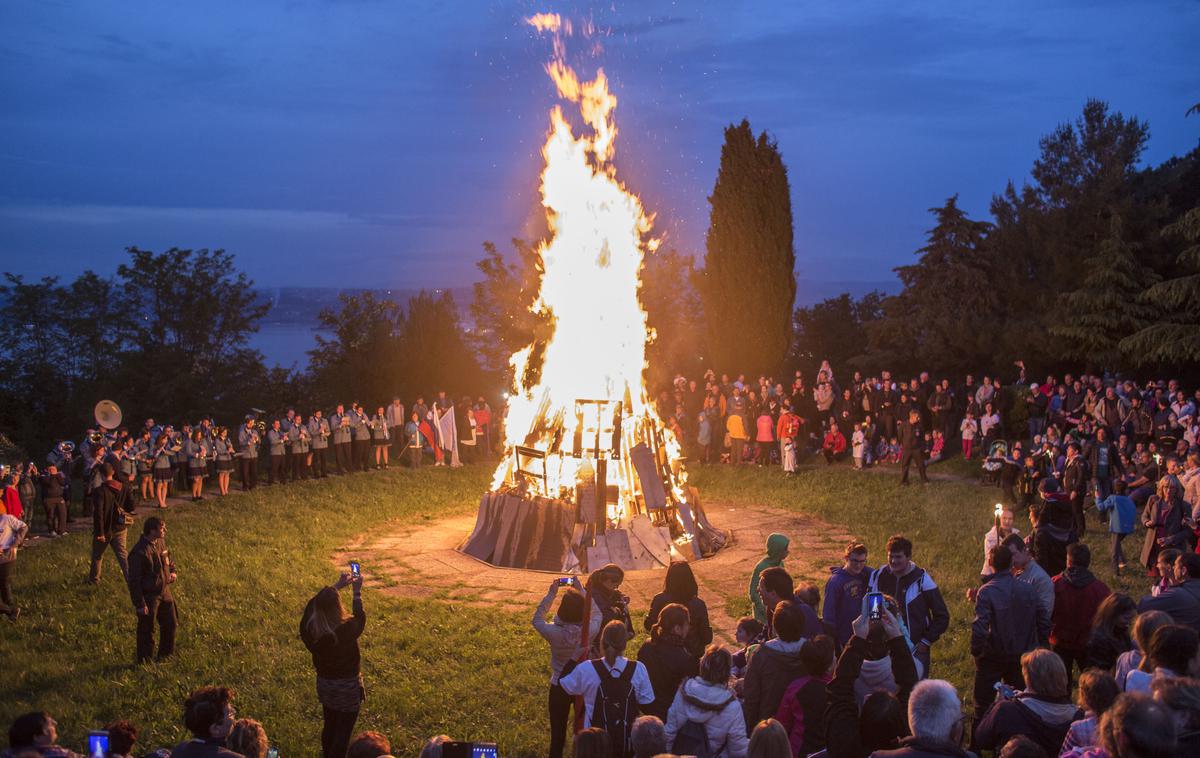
[374, 143]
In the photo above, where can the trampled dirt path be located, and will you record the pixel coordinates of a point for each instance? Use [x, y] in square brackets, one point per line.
[422, 561]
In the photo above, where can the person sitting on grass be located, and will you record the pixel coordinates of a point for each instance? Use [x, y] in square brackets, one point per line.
[1174, 652]
[833, 446]
[208, 714]
[1141, 632]
[35, 734]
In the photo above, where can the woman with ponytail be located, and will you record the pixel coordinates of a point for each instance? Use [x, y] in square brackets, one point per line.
[667, 659]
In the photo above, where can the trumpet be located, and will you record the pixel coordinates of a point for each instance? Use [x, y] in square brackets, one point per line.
[66, 447]
[261, 427]
[96, 437]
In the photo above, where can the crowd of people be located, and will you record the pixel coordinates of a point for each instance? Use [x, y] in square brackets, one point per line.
[1063, 665]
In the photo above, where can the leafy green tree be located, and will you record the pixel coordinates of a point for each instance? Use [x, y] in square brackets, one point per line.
[836, 330]
[35, 378]
[941, 317]
[361, 358]
[1107, 307]
[501, 305]
[435, 351]
[1173, 335]
[748, 285]
[674, 314]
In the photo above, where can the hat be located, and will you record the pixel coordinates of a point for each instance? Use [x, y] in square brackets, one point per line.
[1033, 387]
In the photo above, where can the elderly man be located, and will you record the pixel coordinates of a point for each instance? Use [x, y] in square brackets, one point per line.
[935, 719]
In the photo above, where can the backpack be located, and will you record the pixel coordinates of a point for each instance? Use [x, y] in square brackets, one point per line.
[615, 707]
[692, 739]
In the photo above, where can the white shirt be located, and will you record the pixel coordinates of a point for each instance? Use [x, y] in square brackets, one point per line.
[586, 682]
[12, 531]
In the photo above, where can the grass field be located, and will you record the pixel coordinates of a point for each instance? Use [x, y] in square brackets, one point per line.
[248, 565]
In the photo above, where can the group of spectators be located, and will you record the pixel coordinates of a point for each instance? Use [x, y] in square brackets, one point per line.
[869, 420]
[834, 679]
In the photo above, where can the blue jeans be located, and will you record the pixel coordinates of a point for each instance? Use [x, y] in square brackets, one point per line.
[1036, 426]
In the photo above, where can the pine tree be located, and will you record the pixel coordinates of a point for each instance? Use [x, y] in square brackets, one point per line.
[1175, 337]
[1107, 307]
[748, 284]
[941, 317]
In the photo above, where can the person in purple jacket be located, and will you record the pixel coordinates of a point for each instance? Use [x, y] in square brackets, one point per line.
[844, 592]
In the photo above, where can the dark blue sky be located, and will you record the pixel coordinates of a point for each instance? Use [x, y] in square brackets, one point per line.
[379, 143]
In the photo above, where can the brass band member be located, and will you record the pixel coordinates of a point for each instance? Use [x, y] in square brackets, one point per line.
[223, 455]
[197, 454]
[248, 440]
[340, 423]
[380, 438]
[164, 459]
[299, 438]
[277, 442]
[319, 433]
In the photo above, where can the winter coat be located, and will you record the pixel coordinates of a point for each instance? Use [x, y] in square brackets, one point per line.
[775, 666]
[843, 600]
[841, 716]
[1009, 620]
[1077, 595]
[1045, 721]
[766, 428]
[917, 747]
[802, 713]
[715, 707]
[922, 607]
[1170, 519]
[1181, 603]
[668, 663]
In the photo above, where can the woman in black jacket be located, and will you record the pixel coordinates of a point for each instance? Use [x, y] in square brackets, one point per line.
[332, 638]
[680, 587]
[667, 659]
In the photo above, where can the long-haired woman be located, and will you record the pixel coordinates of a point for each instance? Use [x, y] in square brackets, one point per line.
[163, 473]
[197, 463]
[1110, 636]
[332, 638]
[667, 659]
[223, 454]
[680, 587]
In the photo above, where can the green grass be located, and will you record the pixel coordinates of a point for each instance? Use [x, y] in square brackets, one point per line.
[248, 565]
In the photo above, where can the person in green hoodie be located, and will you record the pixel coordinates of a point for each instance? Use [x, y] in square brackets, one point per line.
[777, 550]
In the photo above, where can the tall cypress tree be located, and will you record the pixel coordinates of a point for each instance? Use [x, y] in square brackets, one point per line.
[1107, 307]
[748, 284]
[1175, 337]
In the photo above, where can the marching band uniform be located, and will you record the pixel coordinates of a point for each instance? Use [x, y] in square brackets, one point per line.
[340, 422]
[395, 426]
[248, 441]
[360, 433]
[379, 433]
[197, 457]
[318, 432]
[277, 441]
[298, 436]
[181, 457]
[286, 424]
[164, 462]
[223, 454]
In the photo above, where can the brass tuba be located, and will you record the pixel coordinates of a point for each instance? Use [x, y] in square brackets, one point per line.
[108, 414]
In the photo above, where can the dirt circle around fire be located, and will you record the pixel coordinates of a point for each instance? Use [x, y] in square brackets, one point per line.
[422, 561]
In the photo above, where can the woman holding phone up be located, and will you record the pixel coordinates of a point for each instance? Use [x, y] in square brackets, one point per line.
[332, 638]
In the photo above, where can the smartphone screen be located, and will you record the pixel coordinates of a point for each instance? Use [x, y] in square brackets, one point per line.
[97, 745]
[564, 580]
[875, 605]
[484, 750]
[355, 570]
[272, 752]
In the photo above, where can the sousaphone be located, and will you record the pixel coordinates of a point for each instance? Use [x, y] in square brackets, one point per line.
[108, 414]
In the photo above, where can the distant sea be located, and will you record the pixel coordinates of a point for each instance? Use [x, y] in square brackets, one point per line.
[289, 330]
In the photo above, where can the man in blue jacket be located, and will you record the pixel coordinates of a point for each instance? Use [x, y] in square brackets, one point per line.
[845, 590]
[1120, 521]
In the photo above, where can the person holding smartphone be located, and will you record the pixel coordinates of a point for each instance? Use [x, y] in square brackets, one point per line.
[565, 636]
[332, 638]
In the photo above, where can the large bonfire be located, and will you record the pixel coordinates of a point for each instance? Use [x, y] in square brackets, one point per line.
[591, 474]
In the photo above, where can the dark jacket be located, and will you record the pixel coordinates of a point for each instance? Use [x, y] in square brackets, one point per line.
[668, 663]
[1181, 602]
[843, 600]
[1075, 477]
[1077, 595]
[209, 748]
[1042, 720]
[112, 504]
[842, 739]
[802, 713]
[771, 670]
[1009, 620]
[150, 569]
[335, 656]
[915, 747]
[700, 632]
[1175, 533]
[53, 487]
[1115, 469]
[922, 607]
